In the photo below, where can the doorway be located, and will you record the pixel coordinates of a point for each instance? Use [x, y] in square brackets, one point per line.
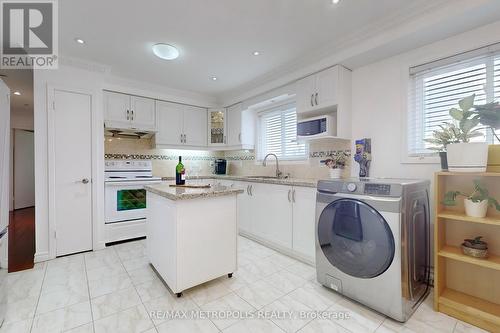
[21, 228]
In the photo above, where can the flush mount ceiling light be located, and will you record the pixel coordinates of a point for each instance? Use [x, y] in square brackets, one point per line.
[256, 53]
[214, 78]
[79, 41]
[165, 51]
[335, 2]
[17, 93]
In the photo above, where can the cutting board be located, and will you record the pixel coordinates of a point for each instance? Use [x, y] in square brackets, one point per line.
[192, 186]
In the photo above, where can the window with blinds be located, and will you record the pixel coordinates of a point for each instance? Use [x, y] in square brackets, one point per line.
[278, 134]
[437, 87]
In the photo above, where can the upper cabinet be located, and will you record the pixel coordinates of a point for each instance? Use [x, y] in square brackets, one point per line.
[217, 127]
[181, 125]
[123, 111]
[327, 92]
[240, 128]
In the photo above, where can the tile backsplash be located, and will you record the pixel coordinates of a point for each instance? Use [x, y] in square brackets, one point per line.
[240, 162]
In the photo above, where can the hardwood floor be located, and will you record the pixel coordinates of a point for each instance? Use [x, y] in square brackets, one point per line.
[21, 239]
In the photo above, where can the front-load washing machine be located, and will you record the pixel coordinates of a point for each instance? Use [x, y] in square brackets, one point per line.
[373, 242]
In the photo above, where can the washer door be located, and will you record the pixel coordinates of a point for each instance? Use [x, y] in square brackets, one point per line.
[355, 238]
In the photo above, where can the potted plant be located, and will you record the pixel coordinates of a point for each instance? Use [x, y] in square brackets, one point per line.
[466, 156]
[476, 203]
[475, 247]
[489, 116]
[447, 134]
[336, 163]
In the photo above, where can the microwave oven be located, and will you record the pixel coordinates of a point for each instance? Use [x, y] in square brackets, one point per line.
[317, 127]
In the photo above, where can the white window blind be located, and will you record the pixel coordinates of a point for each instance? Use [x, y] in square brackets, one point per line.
[436, 88]
[278, 133]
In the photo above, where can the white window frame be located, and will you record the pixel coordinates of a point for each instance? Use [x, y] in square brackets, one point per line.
[446, 64]
[259, 156]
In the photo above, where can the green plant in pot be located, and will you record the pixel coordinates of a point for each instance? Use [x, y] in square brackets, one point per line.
[466, 156]
[448, 133]
[476, 202]
[336, 163]
[489, 116]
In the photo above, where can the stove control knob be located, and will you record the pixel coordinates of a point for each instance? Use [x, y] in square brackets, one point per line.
[351, 187]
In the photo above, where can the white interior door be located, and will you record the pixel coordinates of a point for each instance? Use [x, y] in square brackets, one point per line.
[71, 170]
[24, 169]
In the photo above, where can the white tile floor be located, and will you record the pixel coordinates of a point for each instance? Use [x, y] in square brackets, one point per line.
[115, 290]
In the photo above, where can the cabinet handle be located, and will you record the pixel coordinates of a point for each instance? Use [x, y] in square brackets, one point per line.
[239, 138]
[289, 194]
[128, 115]
[248, 189]
[182, 139]
[251, 190]
[185, 138]
[293, 195]
[312, 97]
[132, 114]
[315, 99]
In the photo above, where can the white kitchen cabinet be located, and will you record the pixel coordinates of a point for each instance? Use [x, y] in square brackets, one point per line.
[217, 127]
[195, 126]
[122, 111]
[170, 123]
[273, 213]
[327, 87]
[180, 125]
[143, 113]
[306, 91]
[240, 128]
[281, 216]
[304, 221]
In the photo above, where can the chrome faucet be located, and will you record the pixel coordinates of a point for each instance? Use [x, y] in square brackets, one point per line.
[264, 163]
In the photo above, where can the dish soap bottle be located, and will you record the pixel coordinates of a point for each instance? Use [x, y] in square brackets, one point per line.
[180, 173]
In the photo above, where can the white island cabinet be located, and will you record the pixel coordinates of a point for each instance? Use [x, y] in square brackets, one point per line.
[191, 234]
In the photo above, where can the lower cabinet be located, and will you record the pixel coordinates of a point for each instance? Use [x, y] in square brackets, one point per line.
[279, 215]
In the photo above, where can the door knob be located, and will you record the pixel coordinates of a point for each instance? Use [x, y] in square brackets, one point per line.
[85, 181]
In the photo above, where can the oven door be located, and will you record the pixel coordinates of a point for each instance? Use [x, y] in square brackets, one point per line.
[125, 201]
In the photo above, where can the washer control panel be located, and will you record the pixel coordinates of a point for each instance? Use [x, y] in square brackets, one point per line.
[377, 189]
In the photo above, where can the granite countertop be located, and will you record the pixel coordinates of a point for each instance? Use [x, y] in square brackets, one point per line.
[283, 181]
[180, 193]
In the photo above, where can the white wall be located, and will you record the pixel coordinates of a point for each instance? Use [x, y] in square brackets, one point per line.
[379, 98]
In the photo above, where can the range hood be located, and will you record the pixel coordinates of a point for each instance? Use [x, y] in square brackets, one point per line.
[128, 133]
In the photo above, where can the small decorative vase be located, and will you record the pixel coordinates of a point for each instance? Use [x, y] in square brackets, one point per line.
[336, 173]
[444, 160]
[476, 209]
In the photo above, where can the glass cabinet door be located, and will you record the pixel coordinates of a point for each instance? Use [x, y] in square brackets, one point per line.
[217, 127]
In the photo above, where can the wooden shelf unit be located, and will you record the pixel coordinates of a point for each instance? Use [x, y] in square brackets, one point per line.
[455, 274]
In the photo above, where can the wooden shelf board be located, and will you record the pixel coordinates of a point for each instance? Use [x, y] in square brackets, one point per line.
[459, 216]
[471, 306]
[455, 253]
[473, 174]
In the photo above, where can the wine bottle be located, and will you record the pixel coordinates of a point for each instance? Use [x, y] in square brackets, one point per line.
[180, 173]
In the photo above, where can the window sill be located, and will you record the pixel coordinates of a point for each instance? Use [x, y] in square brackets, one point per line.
[421, 160]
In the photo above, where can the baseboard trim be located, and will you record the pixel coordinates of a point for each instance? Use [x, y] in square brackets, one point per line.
[42, 256]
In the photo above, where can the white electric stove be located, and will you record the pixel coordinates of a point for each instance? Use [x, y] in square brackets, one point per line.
[125, 198]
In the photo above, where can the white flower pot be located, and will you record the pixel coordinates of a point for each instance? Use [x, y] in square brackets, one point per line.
[336, 173]
[476, 209]
[467, 157]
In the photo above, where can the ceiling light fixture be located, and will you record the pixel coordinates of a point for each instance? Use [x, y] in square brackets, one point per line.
[256, 53]
[17, 93]
[214, 78]
[165, 51]
[79, 41]
[335, 2]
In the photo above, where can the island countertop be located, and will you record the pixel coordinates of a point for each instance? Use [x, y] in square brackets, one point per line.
[181, 193]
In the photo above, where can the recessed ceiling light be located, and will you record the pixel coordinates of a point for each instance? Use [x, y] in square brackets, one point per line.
[165, 51]
[17, 93]
[256, 53]
[335, 2]
[79, 41]
[214, 78]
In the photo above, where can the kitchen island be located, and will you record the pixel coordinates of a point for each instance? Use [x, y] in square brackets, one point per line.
[191, 233]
